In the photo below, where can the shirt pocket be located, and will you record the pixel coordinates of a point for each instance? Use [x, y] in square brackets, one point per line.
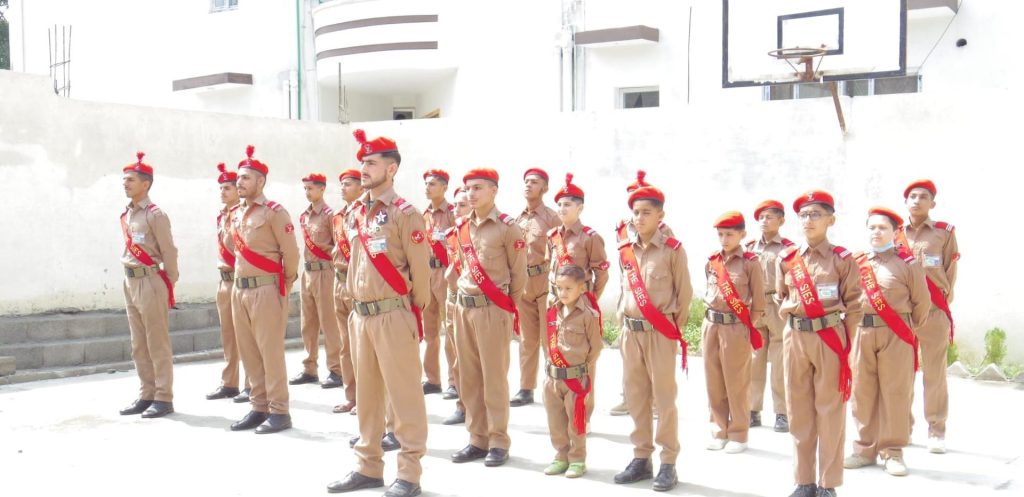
[574, 336]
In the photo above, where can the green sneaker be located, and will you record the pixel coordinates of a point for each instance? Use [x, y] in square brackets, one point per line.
[556, 468]
[576, 470]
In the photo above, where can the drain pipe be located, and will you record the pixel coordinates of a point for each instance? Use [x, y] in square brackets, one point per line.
[298, 52]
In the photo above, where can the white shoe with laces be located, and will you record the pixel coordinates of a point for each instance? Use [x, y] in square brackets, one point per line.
[735, 447]
[895, 466]
[936, 445]
[717, 444]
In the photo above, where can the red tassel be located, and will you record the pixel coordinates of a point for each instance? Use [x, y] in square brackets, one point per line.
[249, 149]
[579, 414]
[685, 346]
[220, 167]
[568, 179]
[845, 380]
[140, 155]
[640, 175]
[360, 135]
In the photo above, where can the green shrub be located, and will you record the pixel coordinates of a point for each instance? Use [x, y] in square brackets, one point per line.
[610, 331]
[995, 346]
[952, 354]
[692, 333]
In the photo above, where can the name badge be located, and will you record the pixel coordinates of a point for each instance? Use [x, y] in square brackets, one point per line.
[138, 238]
[828, 291]
[932, 260]
[377, 245]
[437, 236]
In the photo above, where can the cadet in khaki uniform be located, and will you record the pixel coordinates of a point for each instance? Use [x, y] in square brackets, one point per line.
[151, 269]
[390, 283]
[654, 308]
[771, 215]
[492, 279]
[226, 264]
[317, 287]
[266, 264]
[820, 292]
[343, 228]
[535, 221]
[573, 344]
[884, 360]
[462, 209]
[439, 216]
[933, 244]
[734, 301]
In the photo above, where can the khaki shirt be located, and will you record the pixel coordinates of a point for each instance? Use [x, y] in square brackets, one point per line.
[438, 221]
[936, 250]
[836, 278]
[902, 284]
[224, 221]
[267, 229]
[501, 248]
[150, 229]
[664, 272]
[318, 224]
[586, 248]
[345, 231]
[768, 255]
[579, 334]
[535, 225]
[397, 229]
[746, 275]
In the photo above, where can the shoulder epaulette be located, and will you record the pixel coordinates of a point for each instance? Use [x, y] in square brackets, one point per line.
[451, 208]
[907, 256]
[661, 225]
[589, 231]
[152, 208]
[403, 205]
[713, 254]
[938, 224]
[273, 205]
[552, 231]
[328, 211]
[787, 242]
[750, 256]
[788, 252]
[749, 243]
[841, 252]
[619, 225]
[507, 219]
[675, 244]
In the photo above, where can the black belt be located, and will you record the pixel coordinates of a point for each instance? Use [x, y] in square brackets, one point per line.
[814, 324]
[876, 321]
[720, 317]
[535, 270]
[632, 324]
[227, 276]
[317, 265]
[569, 373]
[436, 263]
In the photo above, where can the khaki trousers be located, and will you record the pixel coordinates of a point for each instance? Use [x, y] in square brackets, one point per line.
[229, 376]
[260, 316]
[318, 313]
[145, 300]
[449, 341]
[342, 310]
[434, 316]
[727, 354]
[532, 315]
[934, 339]
[560, 404]
[883, 389]
[771, 352]
[649, 366]
[482, 336]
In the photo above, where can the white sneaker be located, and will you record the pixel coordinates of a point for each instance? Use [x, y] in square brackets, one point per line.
[735, 447]
[895, 466]
[717, 444]
[619, 410]
[857, 461]
[936, 445]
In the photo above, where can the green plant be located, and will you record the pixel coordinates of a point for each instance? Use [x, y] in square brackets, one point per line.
[692, 333]
[995, 346]
[610, 331]
[952, 354]
[1013, 370]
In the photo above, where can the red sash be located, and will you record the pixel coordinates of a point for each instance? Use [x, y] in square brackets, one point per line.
[435, 245]
[579, 416]
[482, 280]
[873, 291]
[387, 269]
[808, 294]
[140, 254]
[262, 263]
[733, 300]
[452, 237]
[937, 297]
[226, 255]
[341, 236]
[643, 300]
[317, 251]
[564, 259]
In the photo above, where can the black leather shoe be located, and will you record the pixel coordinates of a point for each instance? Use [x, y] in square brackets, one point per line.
[250, 421]
[457, 418]
[805, 491]
[781, 423]
[522, 398]
[402, 488]
[469, 453]
[242, 398]
[638, 469]
[333, 381]
[158, 409]
[274, 424]
[353, 441]
[755, 419]
[451, 393]
[496, 457]
[429, 388]
[354, 481]
[303, 378]
[389, 443]
[666, 479]
[826, 492]
[222, 392]
[137, 407]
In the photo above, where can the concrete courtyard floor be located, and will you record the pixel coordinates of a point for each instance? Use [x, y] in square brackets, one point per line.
[65, 437]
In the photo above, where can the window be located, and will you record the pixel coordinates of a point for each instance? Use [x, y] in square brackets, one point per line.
[222, 5]
[637, 98]
[403, 113]
[852, 88]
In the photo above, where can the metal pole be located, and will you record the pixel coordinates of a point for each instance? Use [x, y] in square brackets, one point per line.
[839, 108]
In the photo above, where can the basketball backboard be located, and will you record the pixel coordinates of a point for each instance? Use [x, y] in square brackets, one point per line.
[861, 38]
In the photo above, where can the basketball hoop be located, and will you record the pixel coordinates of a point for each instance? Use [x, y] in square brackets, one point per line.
[803, 56]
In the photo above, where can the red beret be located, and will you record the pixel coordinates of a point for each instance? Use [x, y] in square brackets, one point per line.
[569, 190]
[376, 146]
[768, 204]
[640, 175]
[225, 175]
[889, 213]
[538, 171]
[440, 173]
[350, 173]
[481, 173]
[731, 219]
[814, 197]
[921, 183]
[646, 193]
[315, 178]
[458, 190]
[251, 163]
[138, 167]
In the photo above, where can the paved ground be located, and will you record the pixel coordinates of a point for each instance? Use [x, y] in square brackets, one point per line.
[65, 437]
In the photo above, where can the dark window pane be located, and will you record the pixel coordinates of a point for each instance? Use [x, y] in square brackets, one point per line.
[640, 99]
[905, 84]
[814, 90]
[857, 88]
[780, 92]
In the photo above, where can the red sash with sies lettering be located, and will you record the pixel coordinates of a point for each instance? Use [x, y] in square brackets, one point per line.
[140, 254]
[808, 294]
[482, 280]
[627, 257]
[873, 291]
[732, 298]
[384, 265]
[452, 237]
[261, 263]
[564, 259]
[579, 415]
[938, 299]
[435, 245]
[226, 255]
[341, 235]
[317, 251]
